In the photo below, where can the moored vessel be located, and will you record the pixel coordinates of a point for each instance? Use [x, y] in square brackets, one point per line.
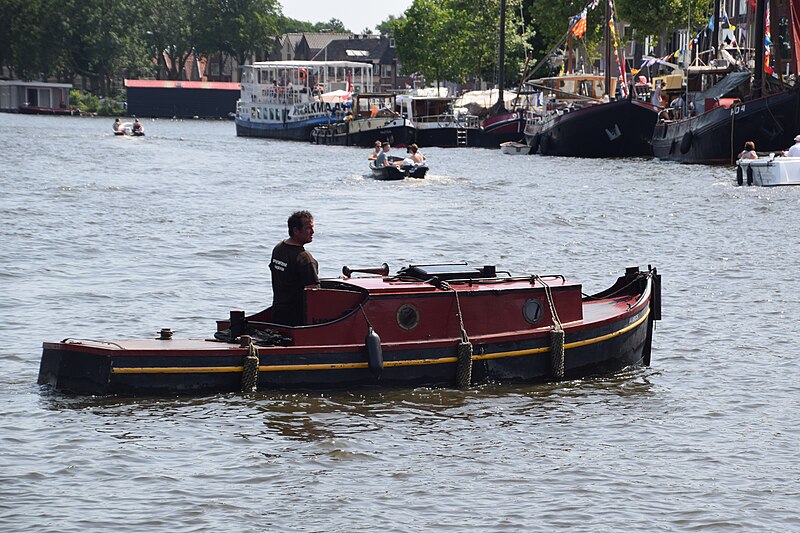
[284, 99]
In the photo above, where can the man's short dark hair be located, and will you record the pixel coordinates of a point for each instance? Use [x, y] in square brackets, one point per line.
[296, 220]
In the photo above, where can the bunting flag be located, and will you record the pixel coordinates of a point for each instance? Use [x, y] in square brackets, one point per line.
[767, 43]
[579, 25]
[623, 82]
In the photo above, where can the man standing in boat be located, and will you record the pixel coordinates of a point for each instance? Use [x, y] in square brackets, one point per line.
[293, 269]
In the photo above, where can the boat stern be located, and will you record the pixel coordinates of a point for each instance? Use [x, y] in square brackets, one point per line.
[66, 369]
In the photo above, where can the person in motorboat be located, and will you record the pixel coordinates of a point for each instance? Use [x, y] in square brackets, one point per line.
[383, 158]
[416, 156]
[138, 129]
[117, 125]
[293, 268]
[375, 152]
[794, 150]
[414, 159]
[749, 151]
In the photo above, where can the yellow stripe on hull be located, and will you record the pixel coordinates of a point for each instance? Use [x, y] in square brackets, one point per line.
[364, 365]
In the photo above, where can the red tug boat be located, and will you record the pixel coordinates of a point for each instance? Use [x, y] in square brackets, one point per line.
[428, 325]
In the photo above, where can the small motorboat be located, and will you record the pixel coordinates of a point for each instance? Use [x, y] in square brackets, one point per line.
[515, 148]
[769, 171]
[125, 128]
[437, 325]
[129, 129]
[399, 169]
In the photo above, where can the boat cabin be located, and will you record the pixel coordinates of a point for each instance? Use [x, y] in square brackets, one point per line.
[420, 301]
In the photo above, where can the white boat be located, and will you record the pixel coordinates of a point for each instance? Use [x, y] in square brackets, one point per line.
[287, 99]
[515, 148]
[769, 171]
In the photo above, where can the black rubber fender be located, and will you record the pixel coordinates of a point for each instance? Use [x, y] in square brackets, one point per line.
[749, 175]
[686, 142]
[374, 352]
[534, 144]
[739, 175]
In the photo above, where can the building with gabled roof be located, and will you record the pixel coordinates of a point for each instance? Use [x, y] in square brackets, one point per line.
[377, 50]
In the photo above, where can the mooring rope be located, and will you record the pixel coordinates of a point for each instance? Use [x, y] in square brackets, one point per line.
[464, 352]
[556, 335]
[250, 366]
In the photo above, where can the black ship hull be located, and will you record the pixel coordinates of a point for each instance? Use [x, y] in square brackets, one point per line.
[622, 128]
[718, 135]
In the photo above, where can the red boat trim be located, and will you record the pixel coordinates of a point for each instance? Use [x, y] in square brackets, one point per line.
[363, 365]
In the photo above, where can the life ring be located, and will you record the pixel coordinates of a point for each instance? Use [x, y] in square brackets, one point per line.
[303, 74]
[749, 175]
[739, 175]
[686, 142]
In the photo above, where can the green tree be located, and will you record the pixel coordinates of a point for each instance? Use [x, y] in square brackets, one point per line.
[29, 43]
[462, 42]
[387, 26]
[423, 42]
[659, 17]
[290, 25]
[334, 26]
[169, 29]
[98, 37]
[236, 28]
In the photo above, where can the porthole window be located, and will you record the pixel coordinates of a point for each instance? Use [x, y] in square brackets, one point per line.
[532, 311]
[407, 317]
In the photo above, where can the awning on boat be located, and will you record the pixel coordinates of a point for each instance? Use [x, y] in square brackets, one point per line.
[335, 97]
[726, 85]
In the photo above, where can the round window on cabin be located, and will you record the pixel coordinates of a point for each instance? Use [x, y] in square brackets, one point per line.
[407, 317]
[532, 311]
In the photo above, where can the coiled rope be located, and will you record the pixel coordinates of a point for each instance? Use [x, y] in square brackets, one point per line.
[249, 366]
[556, 335]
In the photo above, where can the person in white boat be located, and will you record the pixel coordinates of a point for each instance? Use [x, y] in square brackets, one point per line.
[117, 124]
[374, 154]
[749, 151]
[137, 127]
[794, 150]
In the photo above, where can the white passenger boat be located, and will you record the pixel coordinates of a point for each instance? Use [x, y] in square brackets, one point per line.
[285, 99]
[768, 171]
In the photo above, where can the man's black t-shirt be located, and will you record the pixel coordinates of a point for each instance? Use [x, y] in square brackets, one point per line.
[293, 268]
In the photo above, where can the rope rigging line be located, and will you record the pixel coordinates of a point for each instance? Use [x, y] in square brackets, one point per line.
[464, 351]
[556, 335]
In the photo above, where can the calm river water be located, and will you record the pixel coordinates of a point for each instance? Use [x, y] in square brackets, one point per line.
[106, 237]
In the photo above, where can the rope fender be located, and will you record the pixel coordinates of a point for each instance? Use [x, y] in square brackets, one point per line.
[464, 350]
[249, 366]
[557, 335]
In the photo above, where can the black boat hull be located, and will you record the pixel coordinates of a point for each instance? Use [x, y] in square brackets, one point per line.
[391, 172]
[605, 350]
[622, 128]
[718, 135]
